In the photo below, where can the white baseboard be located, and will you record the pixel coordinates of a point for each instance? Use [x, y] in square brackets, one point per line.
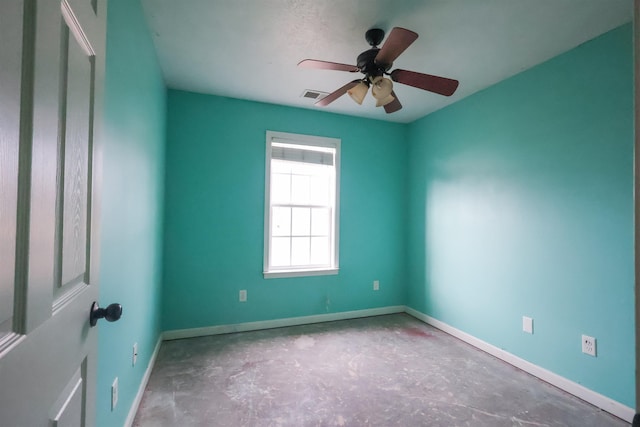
[279, 323]
[143, 384]
[613, 407]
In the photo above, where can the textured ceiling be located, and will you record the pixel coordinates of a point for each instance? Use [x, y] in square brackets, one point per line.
[248, 49]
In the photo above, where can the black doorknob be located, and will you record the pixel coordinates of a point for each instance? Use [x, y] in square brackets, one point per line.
[110, 314]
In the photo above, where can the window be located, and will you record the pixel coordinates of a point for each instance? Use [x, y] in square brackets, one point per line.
[301, 205]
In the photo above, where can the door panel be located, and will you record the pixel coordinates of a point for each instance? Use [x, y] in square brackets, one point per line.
[76, 149]
[50, 173]
[49, 48]
[75, 145]
[68, 409]
[10, 57]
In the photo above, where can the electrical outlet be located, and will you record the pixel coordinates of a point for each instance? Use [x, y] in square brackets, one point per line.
[243, 295]
[589, 345]
[376, 285]
[527, 324]
[114, 394]
[134, 357]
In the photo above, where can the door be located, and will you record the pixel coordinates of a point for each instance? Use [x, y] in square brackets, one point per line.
[51, 73]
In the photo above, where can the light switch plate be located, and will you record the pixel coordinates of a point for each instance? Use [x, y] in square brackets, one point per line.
[527, 324]
[134, 356]
[114, 394]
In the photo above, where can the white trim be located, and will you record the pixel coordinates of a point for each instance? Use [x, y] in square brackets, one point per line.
[300, 139]
[336, 206]
[143, 385]
[279, 323]
[9, 342]
[267, 204]
[74, 25]
[300, 273]
[605, 403]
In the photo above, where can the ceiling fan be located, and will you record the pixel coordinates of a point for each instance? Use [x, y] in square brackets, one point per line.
[375, 64]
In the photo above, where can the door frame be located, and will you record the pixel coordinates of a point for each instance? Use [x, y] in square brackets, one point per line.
[636, 196]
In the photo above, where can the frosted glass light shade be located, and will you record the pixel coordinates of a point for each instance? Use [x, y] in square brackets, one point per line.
[358, 92]
[382, 88]
[385, 101]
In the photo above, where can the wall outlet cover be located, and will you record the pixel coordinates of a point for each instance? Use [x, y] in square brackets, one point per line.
[376, 285]
[589, 345]
[243, 295]
[527, 324]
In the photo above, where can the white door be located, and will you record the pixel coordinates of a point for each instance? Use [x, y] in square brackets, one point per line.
[51, 72]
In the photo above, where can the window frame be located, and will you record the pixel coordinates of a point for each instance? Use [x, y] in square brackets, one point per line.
[310, 140]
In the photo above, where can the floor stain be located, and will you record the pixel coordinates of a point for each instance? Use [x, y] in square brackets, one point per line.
[416, 332]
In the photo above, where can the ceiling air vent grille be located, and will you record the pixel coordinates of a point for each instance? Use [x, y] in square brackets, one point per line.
[313, 94]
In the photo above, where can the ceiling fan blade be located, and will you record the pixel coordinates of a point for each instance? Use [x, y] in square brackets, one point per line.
[394, 105]
[441, 85]
[336, 94]
[326, 65]
[397, 42]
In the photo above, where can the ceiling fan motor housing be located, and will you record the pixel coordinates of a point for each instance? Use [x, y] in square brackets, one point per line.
[367, 64]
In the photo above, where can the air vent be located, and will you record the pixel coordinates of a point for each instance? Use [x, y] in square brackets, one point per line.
[313, 94]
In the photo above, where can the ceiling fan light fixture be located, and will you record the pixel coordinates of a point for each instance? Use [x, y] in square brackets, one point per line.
[383, 102]
[382, 88]
[375, 63]
[358, 92]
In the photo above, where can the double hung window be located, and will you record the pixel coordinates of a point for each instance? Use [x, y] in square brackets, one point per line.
[301, 206]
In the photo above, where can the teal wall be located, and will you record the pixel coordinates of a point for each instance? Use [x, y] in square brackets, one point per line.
[135, 109]
[514, 201]
[521, 203]
[214, 213]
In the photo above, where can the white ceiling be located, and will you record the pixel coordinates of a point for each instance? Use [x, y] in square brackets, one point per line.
[249, 49]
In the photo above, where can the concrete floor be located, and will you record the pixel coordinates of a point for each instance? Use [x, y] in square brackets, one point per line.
[380, 371]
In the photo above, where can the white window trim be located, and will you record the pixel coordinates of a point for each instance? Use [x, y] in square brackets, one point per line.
[300, 140]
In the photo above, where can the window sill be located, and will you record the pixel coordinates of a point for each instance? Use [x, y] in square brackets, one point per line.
[299, 273]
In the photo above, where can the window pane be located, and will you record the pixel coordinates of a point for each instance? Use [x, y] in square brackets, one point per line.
[280, 188]
[280, 166]
[320, 221]
[300, 168]
[281, 221]
[280, 251]
[300, 189]
[320, 250]
[300, 251]
[320, 190]
[300, 222]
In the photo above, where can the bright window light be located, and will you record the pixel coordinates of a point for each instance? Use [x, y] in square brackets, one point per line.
[301, 205]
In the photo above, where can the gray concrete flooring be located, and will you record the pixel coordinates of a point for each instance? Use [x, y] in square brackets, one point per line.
[379, 371]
